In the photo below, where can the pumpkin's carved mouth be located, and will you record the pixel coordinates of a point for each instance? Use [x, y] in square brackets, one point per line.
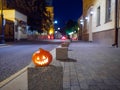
[42, 61]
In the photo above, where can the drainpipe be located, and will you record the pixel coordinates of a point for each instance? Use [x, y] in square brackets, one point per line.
[116, 23]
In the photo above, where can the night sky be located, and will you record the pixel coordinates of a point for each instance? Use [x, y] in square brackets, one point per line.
[67, 9]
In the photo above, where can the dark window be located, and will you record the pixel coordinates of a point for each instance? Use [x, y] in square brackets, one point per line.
[98, 16]
[108, 11]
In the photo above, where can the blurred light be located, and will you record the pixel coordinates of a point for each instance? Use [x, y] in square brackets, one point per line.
[86, 18]
[51, 31]
[91, 12]
[55, 21]
[63, 38]
[81, 23]
[52, 37]
[55, 31]
[70, 33]
[81, 20]
[48, 36]
[58, 28]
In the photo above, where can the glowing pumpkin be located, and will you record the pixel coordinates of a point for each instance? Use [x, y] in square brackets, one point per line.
[41, 58]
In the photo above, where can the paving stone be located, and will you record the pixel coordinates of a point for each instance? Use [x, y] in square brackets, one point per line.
[91, 82]
[103, 86]
[66, 88]
[93, 87]
[66, 84]
[98, 80]
[66, 79]
[75, 88]
[74, 83]
[84, 85]
[118, 86]
[108, 82]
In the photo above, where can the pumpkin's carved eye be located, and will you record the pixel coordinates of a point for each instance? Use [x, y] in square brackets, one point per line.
[37, 58]
[42, 58]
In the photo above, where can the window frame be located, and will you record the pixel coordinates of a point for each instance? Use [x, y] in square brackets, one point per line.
[108, 11]
[98, 15]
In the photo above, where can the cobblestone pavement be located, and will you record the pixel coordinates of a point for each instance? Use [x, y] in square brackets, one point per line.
[92, 67]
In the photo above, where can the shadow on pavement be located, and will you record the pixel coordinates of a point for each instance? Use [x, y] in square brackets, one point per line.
[68, 60]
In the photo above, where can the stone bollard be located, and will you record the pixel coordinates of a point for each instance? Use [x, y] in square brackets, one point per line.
[61, 53]
[65, 44]
[45, 78]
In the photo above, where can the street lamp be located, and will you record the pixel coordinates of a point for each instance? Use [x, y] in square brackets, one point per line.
[2, 23]
[58, 28]
[55, 22]
[82, 27]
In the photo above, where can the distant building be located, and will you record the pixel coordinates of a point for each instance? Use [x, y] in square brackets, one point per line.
[49, 2]
[58, 35]
[81, 29]
[16, 22]
[101, 21]
[15, 25]
[50, 12]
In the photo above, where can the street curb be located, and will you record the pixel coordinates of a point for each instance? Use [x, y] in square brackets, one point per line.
[4, 82]
[4, 45]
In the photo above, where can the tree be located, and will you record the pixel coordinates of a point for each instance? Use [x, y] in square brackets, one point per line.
[41, 20]
[71, 26]
[35, 10]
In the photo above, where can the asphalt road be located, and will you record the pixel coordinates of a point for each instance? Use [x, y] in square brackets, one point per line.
[15, 56]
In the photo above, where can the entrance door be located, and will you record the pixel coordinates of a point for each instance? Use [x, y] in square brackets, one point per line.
[9, 31]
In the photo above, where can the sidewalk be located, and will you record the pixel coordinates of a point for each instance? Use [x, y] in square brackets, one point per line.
[90, 67]
[95, 67]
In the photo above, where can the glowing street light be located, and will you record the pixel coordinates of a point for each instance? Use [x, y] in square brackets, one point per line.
[86, 18]
[91, 12]
[58, 28]
[55, 22]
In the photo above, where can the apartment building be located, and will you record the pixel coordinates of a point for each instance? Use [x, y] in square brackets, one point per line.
[101, 21]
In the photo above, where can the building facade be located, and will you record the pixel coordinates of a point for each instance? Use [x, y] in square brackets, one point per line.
[50, 11]
[101, 21]
[16, 22]
[15, 25]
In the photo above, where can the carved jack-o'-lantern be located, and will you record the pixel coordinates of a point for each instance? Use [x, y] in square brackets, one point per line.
[42, 58]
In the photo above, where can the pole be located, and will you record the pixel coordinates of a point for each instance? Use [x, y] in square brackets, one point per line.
[2, 26]
[81, 31]
[116, 23]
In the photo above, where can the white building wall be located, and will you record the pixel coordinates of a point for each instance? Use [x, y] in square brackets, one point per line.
[13, 14]
[19, 34]
[20, 16]
[103, 26]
